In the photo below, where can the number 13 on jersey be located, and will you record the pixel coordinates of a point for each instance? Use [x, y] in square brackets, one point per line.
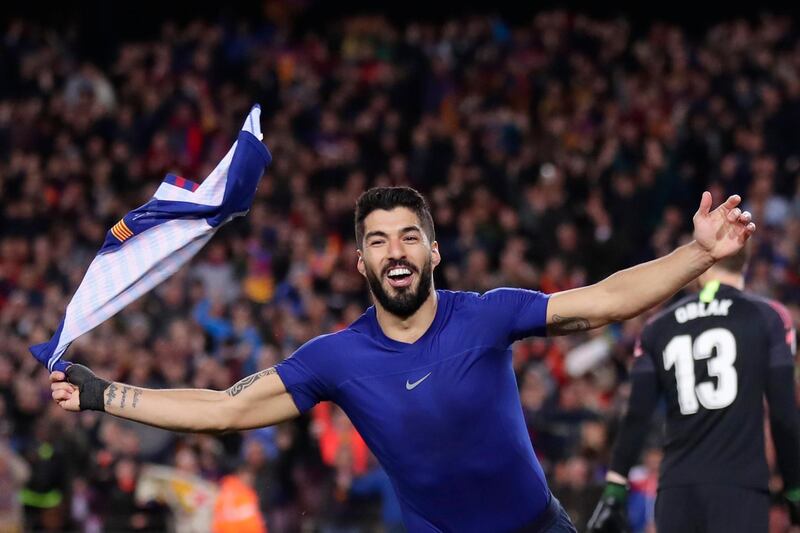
[681, 352]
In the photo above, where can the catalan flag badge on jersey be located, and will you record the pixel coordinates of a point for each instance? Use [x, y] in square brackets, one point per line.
[121, 231]
[153, 241]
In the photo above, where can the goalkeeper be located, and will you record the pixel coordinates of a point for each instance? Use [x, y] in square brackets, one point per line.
[713, 356]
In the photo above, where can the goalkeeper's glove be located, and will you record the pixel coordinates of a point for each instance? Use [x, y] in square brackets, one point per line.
[792, 499]
[610, 514]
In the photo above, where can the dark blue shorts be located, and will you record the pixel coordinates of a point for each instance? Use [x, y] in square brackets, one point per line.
[554, 519]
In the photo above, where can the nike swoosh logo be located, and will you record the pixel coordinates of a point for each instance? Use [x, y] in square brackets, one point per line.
[411, 386]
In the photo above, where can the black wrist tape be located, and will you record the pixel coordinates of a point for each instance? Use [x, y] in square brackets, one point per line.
[92, 394]
[91, 387]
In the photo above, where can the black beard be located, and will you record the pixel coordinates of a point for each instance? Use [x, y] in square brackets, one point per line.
[407, 300]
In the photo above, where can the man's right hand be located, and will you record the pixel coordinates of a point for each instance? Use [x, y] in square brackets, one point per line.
[78, 389]
[610, 515]
[64, 393]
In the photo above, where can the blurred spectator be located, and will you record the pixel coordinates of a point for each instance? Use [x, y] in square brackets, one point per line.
[45, 493]
[553, 151]
[236, 509]
[376, 482]
[120, 506]
[336, 432]
[575, 488]
[14, 473]
[642, 496]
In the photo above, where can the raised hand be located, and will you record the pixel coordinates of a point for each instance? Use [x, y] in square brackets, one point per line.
[723, 231]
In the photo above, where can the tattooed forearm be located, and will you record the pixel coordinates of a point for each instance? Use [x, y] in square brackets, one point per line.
[562, 325]
[123, 397]
[111, 394]
[249, 380]
[136, 394]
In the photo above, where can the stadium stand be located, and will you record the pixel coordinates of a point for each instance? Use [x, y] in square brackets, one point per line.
[553, 151]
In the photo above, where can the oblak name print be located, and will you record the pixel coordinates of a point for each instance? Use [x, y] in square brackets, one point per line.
[694, 310]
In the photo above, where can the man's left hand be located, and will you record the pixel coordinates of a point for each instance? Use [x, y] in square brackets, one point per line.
[723, 231]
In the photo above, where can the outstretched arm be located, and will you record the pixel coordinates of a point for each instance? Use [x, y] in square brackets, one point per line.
[717, 234]
[256, 401]
[635, 425]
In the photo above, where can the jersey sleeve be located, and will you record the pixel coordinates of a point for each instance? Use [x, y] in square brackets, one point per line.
[645, 393]
[304, 374]
[782, 335]
[781, 392]
[643, 353]
[518, 313]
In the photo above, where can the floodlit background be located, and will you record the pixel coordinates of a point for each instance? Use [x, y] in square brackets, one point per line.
[555, 146]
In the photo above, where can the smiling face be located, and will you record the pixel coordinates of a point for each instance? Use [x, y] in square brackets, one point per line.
[398, 260]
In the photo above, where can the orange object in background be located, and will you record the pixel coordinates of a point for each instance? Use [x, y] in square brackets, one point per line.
[236, 508]
[338, 431]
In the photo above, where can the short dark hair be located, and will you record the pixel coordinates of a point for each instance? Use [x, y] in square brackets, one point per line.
[736, 263]
[388, 198]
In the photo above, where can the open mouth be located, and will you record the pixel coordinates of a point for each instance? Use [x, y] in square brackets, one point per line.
[400, 276]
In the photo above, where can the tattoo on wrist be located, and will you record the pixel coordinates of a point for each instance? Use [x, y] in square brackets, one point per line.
[567, 324]
[112, 393]
[123, 397]
[249, 380]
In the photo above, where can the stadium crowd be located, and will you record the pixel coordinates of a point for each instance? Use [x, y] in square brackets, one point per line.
[552, 151]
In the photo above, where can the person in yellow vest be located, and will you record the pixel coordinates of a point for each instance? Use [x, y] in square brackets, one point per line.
[236, 509]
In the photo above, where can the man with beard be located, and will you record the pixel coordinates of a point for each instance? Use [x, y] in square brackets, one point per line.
[425, 375]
